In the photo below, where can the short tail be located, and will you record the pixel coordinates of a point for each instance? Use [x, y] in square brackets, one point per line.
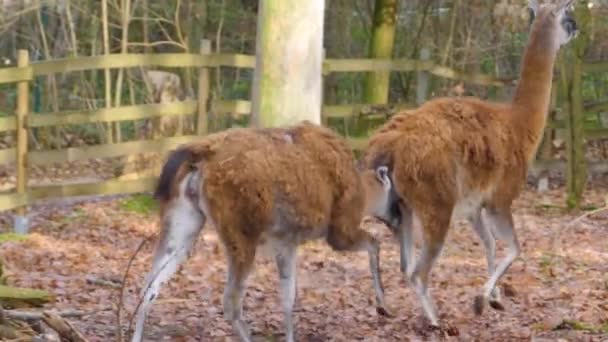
[175, 161]
[185, 155]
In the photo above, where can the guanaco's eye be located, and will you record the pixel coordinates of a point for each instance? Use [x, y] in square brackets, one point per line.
[569, 25]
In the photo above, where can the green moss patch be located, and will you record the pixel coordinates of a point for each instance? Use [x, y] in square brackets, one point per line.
[8, 237]
[141, 203]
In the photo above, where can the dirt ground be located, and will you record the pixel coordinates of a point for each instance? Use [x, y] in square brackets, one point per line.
[557, 289]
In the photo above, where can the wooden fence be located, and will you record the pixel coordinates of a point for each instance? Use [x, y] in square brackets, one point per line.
[25, 72]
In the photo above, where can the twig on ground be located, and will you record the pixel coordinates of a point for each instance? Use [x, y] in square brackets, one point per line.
[103, 282]
[571, 224]
[122, 286]
[585, 215]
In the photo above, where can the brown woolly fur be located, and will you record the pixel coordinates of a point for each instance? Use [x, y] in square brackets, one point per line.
[453, 157]
[313, 180]
[275, 187]
[454, 144]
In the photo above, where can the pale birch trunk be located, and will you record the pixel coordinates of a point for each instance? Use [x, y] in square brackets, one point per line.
[289, 49]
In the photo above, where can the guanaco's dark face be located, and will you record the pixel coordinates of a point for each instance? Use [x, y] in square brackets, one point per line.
[380, 198]
[559, 15]
[569, 29]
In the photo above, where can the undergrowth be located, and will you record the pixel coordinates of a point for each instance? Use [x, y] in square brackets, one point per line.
[7, 237]
[140, 203]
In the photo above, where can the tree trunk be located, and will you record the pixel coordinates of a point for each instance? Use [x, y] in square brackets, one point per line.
[383, 38]
[577, 168]
[289, 49]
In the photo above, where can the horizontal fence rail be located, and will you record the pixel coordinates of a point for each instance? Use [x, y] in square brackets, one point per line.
[12, 75]
[110, 187]
[107, 150]
[128, 60]
[186, 60]
[123, 113]
[366, 65]
[595, 67]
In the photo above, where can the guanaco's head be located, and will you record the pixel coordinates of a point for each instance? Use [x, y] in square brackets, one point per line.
[380, 198]
[557, 18]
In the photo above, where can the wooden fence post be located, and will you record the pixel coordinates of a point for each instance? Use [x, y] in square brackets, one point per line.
[20, 222]
[203, 91]
[422, 83]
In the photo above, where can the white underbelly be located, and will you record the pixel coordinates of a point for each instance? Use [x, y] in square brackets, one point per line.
[467, 206]
[274, 241]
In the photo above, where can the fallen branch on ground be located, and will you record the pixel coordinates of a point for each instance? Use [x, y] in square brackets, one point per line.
[13, 330]
[65, 330]
[34, 315]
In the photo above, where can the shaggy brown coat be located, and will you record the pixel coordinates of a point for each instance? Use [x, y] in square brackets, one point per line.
[450, 147]
[306, 169]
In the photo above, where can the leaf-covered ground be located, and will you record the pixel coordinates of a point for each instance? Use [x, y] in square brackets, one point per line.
[558, 288]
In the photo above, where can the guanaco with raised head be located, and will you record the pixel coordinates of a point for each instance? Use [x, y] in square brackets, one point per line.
[454, 157]
[276, 188]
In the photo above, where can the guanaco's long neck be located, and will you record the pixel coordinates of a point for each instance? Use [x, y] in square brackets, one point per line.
[533, 93]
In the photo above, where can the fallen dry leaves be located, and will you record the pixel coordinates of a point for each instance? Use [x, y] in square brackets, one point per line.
[549, 295]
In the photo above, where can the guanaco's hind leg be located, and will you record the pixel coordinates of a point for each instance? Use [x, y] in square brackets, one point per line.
[503, 224]
[181, 226]
[406, 241]
[286, 265]
[239, 268]
[435, 228]
[348, 238]
[487, 238]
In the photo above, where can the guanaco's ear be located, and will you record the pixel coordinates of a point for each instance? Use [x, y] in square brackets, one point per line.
[382, 175]
[563, 6]
[533, 6]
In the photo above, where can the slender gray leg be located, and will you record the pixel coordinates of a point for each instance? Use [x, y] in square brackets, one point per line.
[344, 238]
[420, 279]
[182, 227]
[435, 227]
[406, 242]
[166, 261]
[286, 265]
[373, 250]
[503, 221]
[485, 234]
[233, 297]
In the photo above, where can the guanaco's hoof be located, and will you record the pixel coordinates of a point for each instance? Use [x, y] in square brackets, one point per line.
[496, 305]
[383, 311]
[478, 304]
[434, 327]
[451, 330]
